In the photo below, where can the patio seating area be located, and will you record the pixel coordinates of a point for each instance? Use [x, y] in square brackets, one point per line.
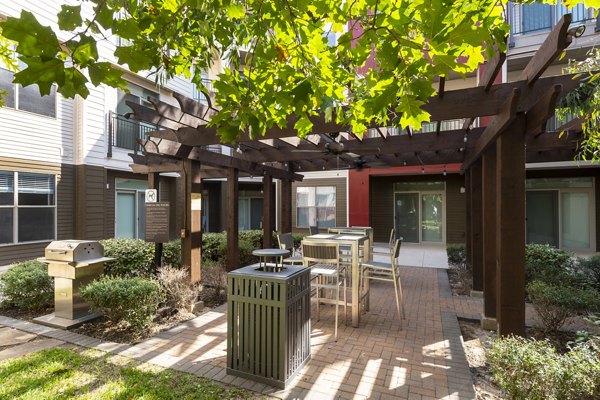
[420, 357]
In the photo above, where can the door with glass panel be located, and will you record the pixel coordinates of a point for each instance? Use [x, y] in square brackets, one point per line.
[419, 211]
[542, 217]
[407, 216]
[560, 212]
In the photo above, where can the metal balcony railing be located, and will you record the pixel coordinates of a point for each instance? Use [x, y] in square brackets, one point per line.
[554, 123]
[123, 133]
[535, 17]
[201, 97]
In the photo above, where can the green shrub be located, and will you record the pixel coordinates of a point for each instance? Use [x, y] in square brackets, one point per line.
[172, 253]
[211, 243]
[554, 304]
[297, 239]
[588, 272]
[254, 237]
[245, 247]
[457, 253]
[548, 264]
[531, 369]
[133, 257]
[27, 286]
[133, 300]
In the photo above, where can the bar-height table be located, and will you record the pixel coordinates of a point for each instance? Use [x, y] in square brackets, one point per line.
[355, 241]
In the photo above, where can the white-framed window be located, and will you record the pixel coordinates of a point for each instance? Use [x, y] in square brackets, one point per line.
[27, 98]
[27, 207]
[315, 206]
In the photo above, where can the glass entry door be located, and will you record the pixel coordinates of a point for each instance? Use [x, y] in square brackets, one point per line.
[542, 217]
[419, 217]
[407, 216]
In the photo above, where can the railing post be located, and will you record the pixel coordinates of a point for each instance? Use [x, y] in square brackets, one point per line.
[110, 136]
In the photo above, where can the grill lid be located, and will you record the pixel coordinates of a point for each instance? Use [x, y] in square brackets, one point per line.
[73, 250]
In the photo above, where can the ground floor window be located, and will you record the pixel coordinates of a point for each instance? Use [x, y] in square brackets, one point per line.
[27, 207]
[130, 208]
[315, 206]
[419, 211]
[560, 212]
[250, 212]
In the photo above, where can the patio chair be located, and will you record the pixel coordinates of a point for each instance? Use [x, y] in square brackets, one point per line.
[381, 271]
[390, 243]
[327, 273]
[313, 230]
[286, 242]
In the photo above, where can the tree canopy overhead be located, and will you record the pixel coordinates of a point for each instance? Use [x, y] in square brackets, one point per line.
[280, 56]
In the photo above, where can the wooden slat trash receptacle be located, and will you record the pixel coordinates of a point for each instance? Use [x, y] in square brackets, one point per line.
[268, 323]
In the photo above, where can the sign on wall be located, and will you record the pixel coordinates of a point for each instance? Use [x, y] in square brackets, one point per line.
[151, 195]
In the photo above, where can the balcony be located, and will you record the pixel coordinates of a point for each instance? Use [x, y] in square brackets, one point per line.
[124, 133]
[536, 17]
[201, 97]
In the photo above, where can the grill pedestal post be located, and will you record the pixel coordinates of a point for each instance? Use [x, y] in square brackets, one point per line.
[73, 264]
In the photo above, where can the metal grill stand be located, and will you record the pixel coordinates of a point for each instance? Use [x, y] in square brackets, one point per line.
[73, 264]
[268, 323]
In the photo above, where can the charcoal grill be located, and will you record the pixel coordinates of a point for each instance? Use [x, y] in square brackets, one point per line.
[73, 264]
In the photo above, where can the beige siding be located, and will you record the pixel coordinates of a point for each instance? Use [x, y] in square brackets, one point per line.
[64, 206]
[341, 199]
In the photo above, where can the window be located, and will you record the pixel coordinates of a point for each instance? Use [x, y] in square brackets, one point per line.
[27, 207]
[315, 206]
[27, 98]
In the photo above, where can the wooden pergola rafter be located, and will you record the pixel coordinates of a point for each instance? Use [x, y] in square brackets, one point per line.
[490, 156]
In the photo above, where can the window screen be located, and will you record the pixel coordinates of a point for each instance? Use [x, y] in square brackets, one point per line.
[30, 100]
[7, 87]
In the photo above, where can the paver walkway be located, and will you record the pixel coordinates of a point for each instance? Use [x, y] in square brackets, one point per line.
[420, 357]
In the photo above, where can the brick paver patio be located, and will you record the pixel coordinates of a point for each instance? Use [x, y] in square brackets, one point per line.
[420, 357]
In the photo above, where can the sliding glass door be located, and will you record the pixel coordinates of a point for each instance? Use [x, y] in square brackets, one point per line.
[419, 211]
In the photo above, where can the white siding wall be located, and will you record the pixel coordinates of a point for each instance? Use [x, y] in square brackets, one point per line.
[26, 135]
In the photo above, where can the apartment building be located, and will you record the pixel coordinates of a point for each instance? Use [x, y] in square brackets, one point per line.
[65, 166]
[427, 204]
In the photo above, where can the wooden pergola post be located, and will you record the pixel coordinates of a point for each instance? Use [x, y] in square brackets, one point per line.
[267, 222]
[476, 228]
[488, 320]
[191, 234]
[233, 249]
[468, 226]
[510, 237]
[285, 217]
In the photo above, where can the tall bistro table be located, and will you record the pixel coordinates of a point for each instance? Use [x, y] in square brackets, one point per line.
[355, 241]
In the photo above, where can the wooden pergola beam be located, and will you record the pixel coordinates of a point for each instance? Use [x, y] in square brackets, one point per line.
[542, 111]
[494, 129]
[178, 150]
[555, 43]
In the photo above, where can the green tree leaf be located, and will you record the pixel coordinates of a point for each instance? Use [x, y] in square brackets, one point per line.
[69, 17]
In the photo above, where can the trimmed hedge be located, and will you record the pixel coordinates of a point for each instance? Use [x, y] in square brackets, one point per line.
[27, 286]
[548, 264]
[554, 304]
[133, 300]
[531, 369]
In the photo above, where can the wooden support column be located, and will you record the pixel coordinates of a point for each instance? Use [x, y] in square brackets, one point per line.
[196, 223]
[267, 222]
[233, 250]
[191, 232]
[285, 217]
[510, 235]
[468, 234]
[489, 238]
[476, 228]
[154, 183]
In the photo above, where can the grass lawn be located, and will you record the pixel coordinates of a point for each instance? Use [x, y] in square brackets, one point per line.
[69, 374]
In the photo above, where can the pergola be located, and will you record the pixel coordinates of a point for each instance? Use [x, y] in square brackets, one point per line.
[493, 159]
